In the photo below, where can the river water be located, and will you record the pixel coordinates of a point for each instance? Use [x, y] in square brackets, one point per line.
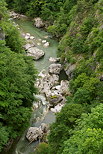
[23, 146]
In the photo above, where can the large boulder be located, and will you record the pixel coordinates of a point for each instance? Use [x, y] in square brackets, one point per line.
[56, 99]
[55, 68]
[46, 82]
[35, 53]
[34, 133]
[38, 22]
[44, 127]
[57, 108]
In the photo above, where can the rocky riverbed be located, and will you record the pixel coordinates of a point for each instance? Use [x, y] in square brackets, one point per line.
[52, 92]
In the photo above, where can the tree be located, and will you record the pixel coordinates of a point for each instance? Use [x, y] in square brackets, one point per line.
[88, 135]
[17, 77]
[61, 130]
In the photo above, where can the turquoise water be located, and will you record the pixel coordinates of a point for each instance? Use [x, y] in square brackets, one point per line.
[23, 147]
[51, 51]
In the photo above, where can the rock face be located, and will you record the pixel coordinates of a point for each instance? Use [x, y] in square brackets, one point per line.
[55, 68]
[2, 35]
[35, 53]
[35, 133]
[69, 70]
[38, 22]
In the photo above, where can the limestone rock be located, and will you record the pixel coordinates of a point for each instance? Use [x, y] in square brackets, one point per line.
[69, 70]
[43, 41]
[35, 53]
[34, 133]
[46, 44]
[57, 108]
[38, 22]
[56, 99]
[55, 68]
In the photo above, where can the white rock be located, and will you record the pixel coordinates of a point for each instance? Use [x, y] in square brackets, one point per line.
[28, 34]
[38, 22]
[55, 68]
[27, 37]
[31, 37]
[57, 108]
[46, 44]
[35, 53]
[34, 133]
[43, 41]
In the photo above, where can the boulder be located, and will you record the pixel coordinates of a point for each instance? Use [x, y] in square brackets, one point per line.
[31, 37]
[69, 70]
[34, 133]
[43, 41]
[54, 60]
[35, 53]
[46, 82]
[55, 68]
[44, 127]
[38, 22]
[64, 87]
[46, 44]
[57, 108]
[56, 99]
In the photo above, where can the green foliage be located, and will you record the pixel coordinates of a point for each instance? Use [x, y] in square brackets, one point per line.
[85, 141]
[88, 136]
[17, 78]
[3, 9]
[13, 39]
[42, 149]
[61, 129]
[16, 90]
[4, 135]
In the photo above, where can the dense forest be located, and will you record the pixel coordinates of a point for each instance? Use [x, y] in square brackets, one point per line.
[17, 77]
[78, 26]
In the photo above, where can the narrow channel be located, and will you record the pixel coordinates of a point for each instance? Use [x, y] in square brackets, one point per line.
[23, 146]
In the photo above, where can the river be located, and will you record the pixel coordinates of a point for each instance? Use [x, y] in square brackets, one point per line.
[23, 146]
